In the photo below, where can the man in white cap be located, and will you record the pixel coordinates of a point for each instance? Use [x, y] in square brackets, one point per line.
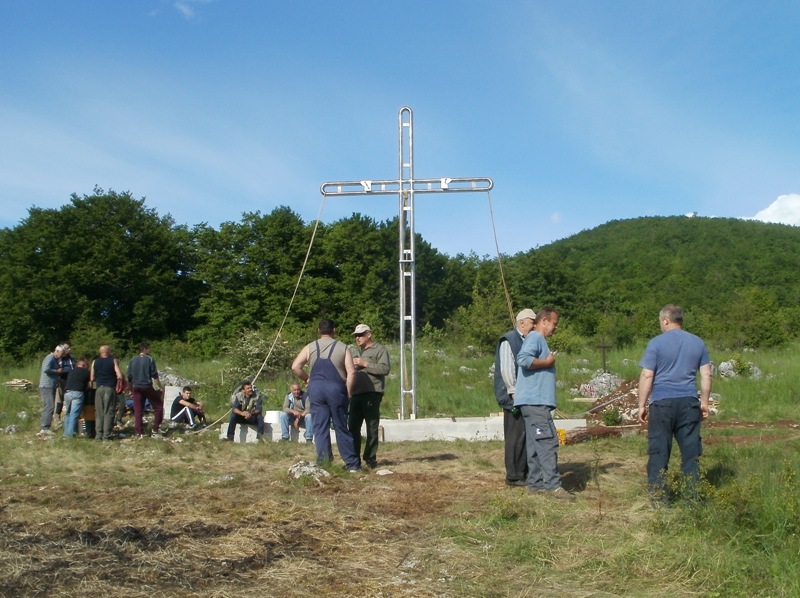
[505, 382]
[372, 365]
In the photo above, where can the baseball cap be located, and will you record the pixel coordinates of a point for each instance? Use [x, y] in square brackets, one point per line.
[361, 329]
[526, 313]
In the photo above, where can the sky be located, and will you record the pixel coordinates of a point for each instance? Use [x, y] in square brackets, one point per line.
[580, 111]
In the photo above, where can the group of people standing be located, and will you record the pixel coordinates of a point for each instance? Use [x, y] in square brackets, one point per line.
[525, 387]
[105, 380]
[345, 387]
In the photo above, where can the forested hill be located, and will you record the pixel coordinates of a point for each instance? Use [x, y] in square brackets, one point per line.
[733, 277]
[105, 268]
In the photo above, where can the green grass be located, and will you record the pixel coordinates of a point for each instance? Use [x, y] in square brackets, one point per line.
[455, 381]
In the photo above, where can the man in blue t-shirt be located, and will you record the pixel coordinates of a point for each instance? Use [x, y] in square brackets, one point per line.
[669, 380]
[536, 398]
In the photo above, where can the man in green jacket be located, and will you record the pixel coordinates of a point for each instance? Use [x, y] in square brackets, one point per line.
[372, 365]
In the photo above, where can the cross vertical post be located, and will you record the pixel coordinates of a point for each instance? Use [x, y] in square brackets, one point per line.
[407, 258]
[406, 186]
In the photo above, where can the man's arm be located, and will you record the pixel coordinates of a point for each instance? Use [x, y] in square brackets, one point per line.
[645, 386]
[528, 356]
[508, 367]
[259, 402]
[117, 369]
[379, 367]
[705, 389]
[300, 362]
[351, 371]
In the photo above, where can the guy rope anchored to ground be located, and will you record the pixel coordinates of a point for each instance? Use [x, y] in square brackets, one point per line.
[288, 310]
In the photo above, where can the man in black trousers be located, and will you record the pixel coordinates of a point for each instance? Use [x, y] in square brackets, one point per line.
[505, 380]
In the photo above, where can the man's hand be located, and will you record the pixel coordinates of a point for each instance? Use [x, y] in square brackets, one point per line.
[643, 414]
[704, 410]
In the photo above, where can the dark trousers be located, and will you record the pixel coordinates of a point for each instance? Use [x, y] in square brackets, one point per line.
[366, 407]
[516, 452]
[256, 420]
[141, 394]
[679, 418]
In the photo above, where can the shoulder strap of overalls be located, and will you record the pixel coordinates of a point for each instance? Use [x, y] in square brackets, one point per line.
[333, 344]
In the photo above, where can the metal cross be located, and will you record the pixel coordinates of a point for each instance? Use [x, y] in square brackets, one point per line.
[406, 186]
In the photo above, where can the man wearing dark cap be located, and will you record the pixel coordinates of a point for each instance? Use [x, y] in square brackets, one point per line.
[505, 382]
[371, 361]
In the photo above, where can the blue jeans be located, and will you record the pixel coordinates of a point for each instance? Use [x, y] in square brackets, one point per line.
[287, 420]
[679, 418]
[73, 403]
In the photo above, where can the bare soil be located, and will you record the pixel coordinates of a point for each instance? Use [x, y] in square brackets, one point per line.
[157, 518]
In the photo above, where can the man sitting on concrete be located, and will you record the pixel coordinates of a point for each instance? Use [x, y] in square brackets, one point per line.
[296, 413]
[187, 410]
[246, 410]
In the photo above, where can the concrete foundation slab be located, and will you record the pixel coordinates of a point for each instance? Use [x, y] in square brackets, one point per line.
[393, 430]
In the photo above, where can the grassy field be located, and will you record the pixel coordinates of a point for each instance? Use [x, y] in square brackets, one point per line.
[189, 515]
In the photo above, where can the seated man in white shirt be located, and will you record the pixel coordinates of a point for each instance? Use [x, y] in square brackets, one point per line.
[297, 413]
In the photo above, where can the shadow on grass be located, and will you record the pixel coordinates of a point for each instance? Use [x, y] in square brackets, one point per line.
[719, 475]
[575, 476]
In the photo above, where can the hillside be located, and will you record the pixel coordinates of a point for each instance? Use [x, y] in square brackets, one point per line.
[724, 272]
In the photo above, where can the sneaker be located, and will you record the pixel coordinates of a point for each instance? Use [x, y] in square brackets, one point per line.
[516, 483]
[536, 490]
[157, 434]
[45, 433]
[226, 439]
[561, 494]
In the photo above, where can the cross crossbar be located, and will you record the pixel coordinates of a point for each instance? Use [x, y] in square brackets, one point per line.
[406, 186]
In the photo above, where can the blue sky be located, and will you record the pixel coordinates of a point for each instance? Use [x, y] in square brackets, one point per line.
[581, 112]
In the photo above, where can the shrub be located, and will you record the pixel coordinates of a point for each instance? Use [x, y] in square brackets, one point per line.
[612, 417]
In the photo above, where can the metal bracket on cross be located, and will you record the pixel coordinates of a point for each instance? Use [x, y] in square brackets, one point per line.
[406, 186]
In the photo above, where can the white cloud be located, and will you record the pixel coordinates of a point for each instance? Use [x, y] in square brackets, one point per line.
[186, 7]
[555, 217]
[784, 210]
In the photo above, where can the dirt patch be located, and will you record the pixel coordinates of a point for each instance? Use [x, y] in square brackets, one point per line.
[254, 531]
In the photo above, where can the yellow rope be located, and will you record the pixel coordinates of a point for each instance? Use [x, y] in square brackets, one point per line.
[500, 263]
[294, 293]
[285, 316]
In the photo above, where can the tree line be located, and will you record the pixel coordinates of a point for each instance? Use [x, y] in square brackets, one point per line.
[106, 265]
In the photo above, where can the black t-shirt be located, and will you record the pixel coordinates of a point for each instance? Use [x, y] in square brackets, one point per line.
[77, 379]
[176, 405]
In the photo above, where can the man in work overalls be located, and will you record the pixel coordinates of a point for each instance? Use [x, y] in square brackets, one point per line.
[329, 386]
